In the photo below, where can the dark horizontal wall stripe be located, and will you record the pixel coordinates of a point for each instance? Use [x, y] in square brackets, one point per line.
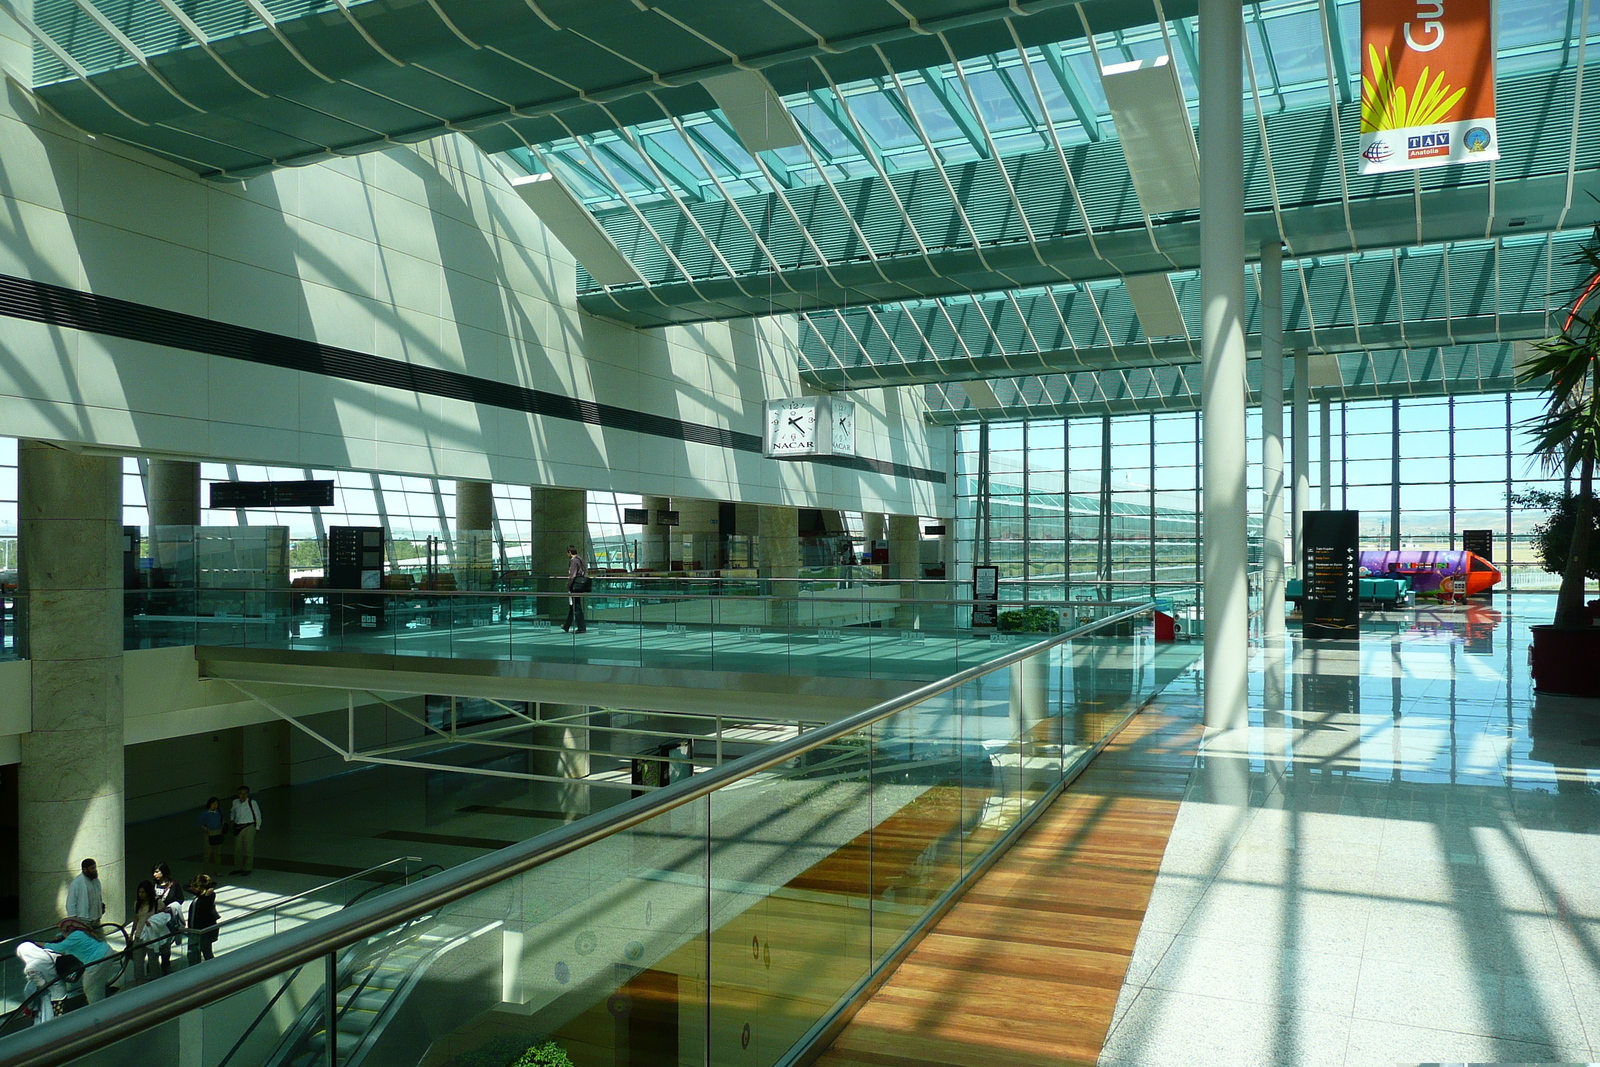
[54, 305]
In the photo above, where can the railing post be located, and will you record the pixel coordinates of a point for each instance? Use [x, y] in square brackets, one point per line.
[330, 985]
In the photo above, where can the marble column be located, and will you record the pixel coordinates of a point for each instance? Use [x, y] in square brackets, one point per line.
[872, 526]
[560, 518]
[172, 493]
[70, 787]
[778, 559]
[571, 762]
[655, 549]
[905, 563]
[474, 545]
[699, 522]
[905, 547]
[778, 542]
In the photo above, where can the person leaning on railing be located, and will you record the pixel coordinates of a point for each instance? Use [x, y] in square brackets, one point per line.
[80, 952]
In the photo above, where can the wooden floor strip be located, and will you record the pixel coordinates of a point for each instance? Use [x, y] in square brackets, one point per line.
[1026, 968]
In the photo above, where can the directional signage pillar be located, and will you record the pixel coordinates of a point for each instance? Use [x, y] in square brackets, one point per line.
[1331, 563]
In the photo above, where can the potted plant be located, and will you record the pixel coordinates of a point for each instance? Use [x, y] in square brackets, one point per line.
[1567, 438]
[1030, 621]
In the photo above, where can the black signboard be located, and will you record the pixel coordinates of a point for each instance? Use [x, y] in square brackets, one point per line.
[317, 494]
[933, 531]
[986, 596]
[1330, 564]
[636, 516]
[666, 518]
[1480, 543]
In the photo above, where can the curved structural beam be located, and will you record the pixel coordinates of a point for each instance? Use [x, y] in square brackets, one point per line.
[354, 77]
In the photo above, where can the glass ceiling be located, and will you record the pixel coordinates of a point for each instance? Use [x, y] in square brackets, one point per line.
[958, 110]
[1049, 99]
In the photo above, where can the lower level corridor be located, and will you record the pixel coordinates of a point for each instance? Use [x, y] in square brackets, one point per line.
[1395, 863]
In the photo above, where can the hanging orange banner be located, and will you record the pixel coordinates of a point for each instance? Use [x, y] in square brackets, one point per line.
[1427, 83]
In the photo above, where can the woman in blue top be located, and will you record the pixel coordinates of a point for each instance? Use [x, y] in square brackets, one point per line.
[211, 833]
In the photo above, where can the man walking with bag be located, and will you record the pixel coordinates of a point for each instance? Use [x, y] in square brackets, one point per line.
[578, 582]
[245, 815]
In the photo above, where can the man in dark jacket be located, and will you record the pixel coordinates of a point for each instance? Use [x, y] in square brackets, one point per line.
[577, 583]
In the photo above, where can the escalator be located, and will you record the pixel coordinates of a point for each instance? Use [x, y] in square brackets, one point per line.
[375, 978]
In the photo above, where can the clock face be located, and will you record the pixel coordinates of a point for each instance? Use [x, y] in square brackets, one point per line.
[844, 428]
[792, 428]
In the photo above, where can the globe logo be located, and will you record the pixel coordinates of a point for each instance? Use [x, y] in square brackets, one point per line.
[1476, 139]
[1377, 151]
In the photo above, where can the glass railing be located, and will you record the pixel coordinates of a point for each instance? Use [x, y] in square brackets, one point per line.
[238, 927]
[859, 632]
[727, 919]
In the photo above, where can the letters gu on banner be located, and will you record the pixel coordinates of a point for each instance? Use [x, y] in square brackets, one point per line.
[1427, 84]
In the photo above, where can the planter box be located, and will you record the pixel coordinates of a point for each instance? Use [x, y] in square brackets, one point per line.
[1563, 660]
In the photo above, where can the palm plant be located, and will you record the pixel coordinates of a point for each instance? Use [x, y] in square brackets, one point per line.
[1566, 435]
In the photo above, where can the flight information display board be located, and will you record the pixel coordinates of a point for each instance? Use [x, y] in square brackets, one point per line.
[986, 595]
[1330, 565]
[1480, 543]
[312, 494]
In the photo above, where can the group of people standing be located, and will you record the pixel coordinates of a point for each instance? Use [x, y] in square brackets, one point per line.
[163, 916]
[244, 819]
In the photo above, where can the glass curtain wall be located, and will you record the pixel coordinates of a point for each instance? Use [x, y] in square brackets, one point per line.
[1063, 506]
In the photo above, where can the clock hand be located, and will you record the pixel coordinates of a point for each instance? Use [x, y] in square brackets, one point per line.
[794, 420]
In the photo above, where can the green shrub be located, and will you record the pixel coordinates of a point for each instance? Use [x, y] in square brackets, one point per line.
[1030, 621]
[548, 1054]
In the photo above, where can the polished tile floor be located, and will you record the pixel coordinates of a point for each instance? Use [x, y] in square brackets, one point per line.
[1396, 862]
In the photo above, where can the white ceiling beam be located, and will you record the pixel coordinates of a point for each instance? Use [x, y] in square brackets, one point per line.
[1153, 127]
[754, 110]
[576, 229]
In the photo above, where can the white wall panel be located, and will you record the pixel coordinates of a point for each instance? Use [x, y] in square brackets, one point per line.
[423, 254]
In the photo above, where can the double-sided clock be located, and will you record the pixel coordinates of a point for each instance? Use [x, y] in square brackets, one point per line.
[843, 420]
[792, 427]
[810, 426]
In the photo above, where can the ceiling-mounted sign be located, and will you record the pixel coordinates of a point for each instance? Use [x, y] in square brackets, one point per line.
[1427, 84]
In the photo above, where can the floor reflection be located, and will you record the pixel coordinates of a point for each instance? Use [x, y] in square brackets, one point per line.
[1397, 861]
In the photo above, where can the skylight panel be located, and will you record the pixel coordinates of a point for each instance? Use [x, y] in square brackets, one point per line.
[882, 121]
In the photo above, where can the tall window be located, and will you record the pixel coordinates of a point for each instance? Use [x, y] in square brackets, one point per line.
[1072, 503]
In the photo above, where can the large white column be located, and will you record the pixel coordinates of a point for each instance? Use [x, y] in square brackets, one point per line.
[1300, 430]
[70, 789]
[1327, 455]
[1272, 436]
[1222, 396]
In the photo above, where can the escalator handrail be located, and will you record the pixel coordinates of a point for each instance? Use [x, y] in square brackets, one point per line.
[109, 1021]
[407, 874]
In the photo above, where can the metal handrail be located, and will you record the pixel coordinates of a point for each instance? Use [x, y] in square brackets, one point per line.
[598, 594]
[275, 905]
[99, 1025]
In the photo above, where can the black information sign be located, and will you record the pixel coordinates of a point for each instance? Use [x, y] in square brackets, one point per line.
[317, 494]
[986, 594]
[933, 531]
[1330, 564]
[1480, 543]
[636, 516]
[666, 518]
